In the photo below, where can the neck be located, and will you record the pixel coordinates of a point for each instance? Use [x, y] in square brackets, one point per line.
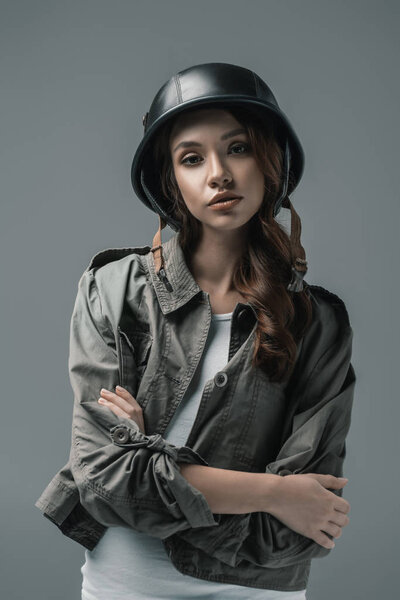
[215, 258]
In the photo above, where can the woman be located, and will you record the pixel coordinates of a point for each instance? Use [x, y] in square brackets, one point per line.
[233, 371]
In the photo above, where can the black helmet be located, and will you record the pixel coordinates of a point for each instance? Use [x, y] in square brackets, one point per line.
[214, 84]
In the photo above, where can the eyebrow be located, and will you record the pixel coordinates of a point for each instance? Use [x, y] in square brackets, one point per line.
[223, 137]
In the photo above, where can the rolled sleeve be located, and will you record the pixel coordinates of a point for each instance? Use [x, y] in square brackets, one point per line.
[124, 477]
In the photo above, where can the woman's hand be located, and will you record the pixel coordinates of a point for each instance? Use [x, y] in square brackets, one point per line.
[303, 503]
[123, 404]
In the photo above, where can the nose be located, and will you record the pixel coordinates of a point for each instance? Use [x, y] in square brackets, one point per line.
[218, 172]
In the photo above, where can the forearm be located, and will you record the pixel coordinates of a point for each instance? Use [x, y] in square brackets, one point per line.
[232, 492]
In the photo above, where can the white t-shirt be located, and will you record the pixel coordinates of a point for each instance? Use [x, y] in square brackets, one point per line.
[131, 565]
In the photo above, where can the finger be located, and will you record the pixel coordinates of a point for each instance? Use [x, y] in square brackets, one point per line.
[140, 422]
[322, 539]
[340, 519]
[333, 530]
[115, 399]
[343, 506]
[123, 393]
[114, 408]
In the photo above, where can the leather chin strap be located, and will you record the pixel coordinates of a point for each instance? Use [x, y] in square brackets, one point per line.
[299, 263]
[157, 245]
[156, 249]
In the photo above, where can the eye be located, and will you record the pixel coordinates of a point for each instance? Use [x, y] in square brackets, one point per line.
[242, 145]
[183, 162]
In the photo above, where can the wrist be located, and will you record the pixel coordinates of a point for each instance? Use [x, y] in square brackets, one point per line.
[272, 492]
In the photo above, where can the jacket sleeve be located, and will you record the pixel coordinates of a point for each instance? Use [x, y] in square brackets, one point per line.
[124, 477]
[316, 443]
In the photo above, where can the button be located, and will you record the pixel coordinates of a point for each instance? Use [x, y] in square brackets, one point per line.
[220, 378]
[121, 434]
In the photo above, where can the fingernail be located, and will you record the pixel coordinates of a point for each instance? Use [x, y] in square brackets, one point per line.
[119, 387]
[101, 400]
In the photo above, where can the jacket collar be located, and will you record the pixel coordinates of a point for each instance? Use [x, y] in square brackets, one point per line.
[184, 286]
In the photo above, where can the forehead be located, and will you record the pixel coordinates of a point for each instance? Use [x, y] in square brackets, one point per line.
[206, 117]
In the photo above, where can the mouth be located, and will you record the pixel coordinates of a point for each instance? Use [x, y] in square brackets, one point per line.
[225, 203]
[223, 199]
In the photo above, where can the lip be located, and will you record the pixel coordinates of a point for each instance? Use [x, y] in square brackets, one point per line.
[227, 195]
[223, 206]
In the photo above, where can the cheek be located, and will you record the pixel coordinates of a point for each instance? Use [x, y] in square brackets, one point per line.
[255, 181]
[188, 184]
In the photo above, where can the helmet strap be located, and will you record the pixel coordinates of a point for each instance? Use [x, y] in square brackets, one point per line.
[299, 263]
[157, 246]
[285, 185]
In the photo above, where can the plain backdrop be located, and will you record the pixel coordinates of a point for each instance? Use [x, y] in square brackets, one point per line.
[76, 78]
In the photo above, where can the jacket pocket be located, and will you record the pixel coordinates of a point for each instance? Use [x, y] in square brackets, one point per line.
[260, 435]
[133, 350]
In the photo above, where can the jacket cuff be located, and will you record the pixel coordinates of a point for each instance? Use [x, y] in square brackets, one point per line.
[191, 501]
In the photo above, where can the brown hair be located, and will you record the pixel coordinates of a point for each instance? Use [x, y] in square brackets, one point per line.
[265, 268]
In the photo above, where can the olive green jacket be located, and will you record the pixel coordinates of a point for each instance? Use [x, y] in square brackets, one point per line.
[131, 328]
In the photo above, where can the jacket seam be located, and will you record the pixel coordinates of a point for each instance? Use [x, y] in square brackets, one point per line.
[225, 578]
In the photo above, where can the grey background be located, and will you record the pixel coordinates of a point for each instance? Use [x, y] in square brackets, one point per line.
[76, 78]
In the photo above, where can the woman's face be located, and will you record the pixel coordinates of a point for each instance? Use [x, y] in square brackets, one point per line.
[211, 153]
